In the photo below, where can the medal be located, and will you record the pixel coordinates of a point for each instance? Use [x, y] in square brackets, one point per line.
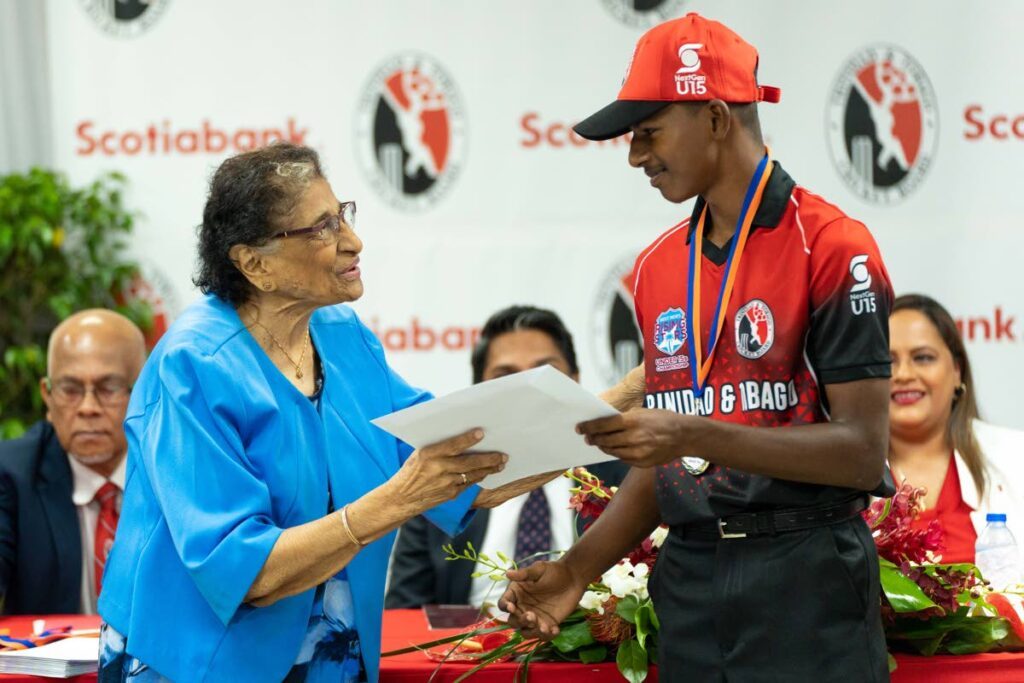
[694, 465]
[700, 368]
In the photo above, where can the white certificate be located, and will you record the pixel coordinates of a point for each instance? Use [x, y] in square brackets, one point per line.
[531, 416]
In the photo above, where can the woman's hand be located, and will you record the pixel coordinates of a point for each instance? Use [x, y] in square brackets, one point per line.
[439, 472]
[490, 498]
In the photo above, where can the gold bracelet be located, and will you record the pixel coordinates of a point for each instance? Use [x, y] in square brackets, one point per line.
[348, 529]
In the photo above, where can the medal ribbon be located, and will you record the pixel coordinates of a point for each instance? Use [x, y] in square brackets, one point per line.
[700, 368]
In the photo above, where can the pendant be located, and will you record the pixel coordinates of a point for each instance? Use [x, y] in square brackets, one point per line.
[695, 466]
[298, 373]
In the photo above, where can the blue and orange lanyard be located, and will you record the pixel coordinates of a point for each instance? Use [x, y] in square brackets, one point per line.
[700, 368]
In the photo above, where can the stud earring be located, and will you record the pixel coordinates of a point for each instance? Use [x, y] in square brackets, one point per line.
[267, 286]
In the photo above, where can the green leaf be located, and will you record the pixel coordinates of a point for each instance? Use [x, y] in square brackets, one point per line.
[644, 622]
[632, 661]
[573, 637]
[592, 654]
[626, 608]
[903, 594]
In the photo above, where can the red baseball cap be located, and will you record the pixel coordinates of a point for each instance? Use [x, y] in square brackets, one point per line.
[691, 59]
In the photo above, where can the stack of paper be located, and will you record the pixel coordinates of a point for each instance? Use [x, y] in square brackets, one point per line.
[59, 659]
[531, 416]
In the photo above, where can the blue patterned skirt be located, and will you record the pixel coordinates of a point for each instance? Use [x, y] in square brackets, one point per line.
[329, 654]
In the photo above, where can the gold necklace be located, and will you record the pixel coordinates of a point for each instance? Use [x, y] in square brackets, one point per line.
[302, 356]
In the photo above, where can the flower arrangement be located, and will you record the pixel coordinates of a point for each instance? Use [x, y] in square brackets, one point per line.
[929, 607]
[615, 620]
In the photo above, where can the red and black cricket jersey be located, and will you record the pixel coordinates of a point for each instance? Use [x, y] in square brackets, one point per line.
[810, 307]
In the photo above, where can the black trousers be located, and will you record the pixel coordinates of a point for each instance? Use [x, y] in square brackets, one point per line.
[799, 606]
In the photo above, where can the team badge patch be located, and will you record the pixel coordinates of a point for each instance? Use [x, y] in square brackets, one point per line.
[755, 329]
[695, 466]
[669, 337]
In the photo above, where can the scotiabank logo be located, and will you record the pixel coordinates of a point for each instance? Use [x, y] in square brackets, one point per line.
[165, 138]
[538, 132]
[995, 327]
[417, 335]
[1000, 125]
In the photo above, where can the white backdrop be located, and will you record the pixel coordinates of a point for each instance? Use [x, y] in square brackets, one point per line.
[517, 211]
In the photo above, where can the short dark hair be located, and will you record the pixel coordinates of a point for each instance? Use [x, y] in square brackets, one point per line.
[747, 115]
[516, 318]
[251, 194]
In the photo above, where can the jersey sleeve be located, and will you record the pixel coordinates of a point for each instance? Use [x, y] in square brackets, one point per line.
[850, 300]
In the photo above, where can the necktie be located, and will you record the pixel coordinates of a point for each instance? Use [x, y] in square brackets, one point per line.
[533, 534]
[106, 524]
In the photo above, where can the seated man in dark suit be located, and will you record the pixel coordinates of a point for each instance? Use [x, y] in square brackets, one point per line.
[515, 339]
[61, 483]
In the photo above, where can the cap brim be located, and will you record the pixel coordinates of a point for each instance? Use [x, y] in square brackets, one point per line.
[615, 119]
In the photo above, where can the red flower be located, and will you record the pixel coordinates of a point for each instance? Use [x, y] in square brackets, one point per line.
[472, 647]
[894, 537]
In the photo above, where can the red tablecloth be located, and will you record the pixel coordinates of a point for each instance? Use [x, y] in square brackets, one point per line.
[405, 627]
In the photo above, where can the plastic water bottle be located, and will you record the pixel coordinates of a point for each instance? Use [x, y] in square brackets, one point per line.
[996, 554]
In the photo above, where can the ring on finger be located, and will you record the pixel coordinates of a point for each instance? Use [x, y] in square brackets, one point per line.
[465, 479]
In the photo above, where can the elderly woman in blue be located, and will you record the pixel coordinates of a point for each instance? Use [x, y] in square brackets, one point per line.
[260, 504]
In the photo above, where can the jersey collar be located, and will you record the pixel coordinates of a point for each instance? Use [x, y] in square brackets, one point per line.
[769, 212]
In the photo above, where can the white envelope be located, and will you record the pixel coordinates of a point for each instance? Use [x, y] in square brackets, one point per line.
[530, 415]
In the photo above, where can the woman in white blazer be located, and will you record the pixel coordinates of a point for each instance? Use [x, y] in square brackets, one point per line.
[937, 442]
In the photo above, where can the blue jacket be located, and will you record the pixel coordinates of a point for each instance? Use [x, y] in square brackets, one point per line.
[223, 455]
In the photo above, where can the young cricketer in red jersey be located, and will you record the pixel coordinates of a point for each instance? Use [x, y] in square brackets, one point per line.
[765, 401]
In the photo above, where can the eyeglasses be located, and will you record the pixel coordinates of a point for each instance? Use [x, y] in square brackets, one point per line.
[329, 228]
[108, 392]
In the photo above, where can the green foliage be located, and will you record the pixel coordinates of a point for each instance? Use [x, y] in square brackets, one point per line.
[62, 249]
[632, 661]
[573, 637]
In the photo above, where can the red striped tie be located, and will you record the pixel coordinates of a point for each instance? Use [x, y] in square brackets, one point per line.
[106, 524]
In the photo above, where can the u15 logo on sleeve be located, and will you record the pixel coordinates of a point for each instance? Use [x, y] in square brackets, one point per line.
[862, 299]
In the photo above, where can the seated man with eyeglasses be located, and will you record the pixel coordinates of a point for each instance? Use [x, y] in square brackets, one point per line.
[61, 483]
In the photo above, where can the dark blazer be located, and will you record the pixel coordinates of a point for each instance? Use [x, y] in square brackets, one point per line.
[40, 542]
[421, 576]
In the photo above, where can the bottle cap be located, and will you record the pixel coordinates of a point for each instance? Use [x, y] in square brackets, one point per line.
[995, 517]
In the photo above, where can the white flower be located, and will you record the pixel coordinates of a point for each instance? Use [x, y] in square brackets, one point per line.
[593, 600]
[658, 536]
[641, 570]
[624, 579]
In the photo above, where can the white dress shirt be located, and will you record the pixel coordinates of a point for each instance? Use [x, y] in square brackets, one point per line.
[501, 534]
[86, 482]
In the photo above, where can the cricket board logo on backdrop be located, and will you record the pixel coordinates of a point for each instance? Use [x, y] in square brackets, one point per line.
[755, 329]
[410, 131]
[882, 123]
[124, 18]
[643, 13]
[616, 344]
[152, 286]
